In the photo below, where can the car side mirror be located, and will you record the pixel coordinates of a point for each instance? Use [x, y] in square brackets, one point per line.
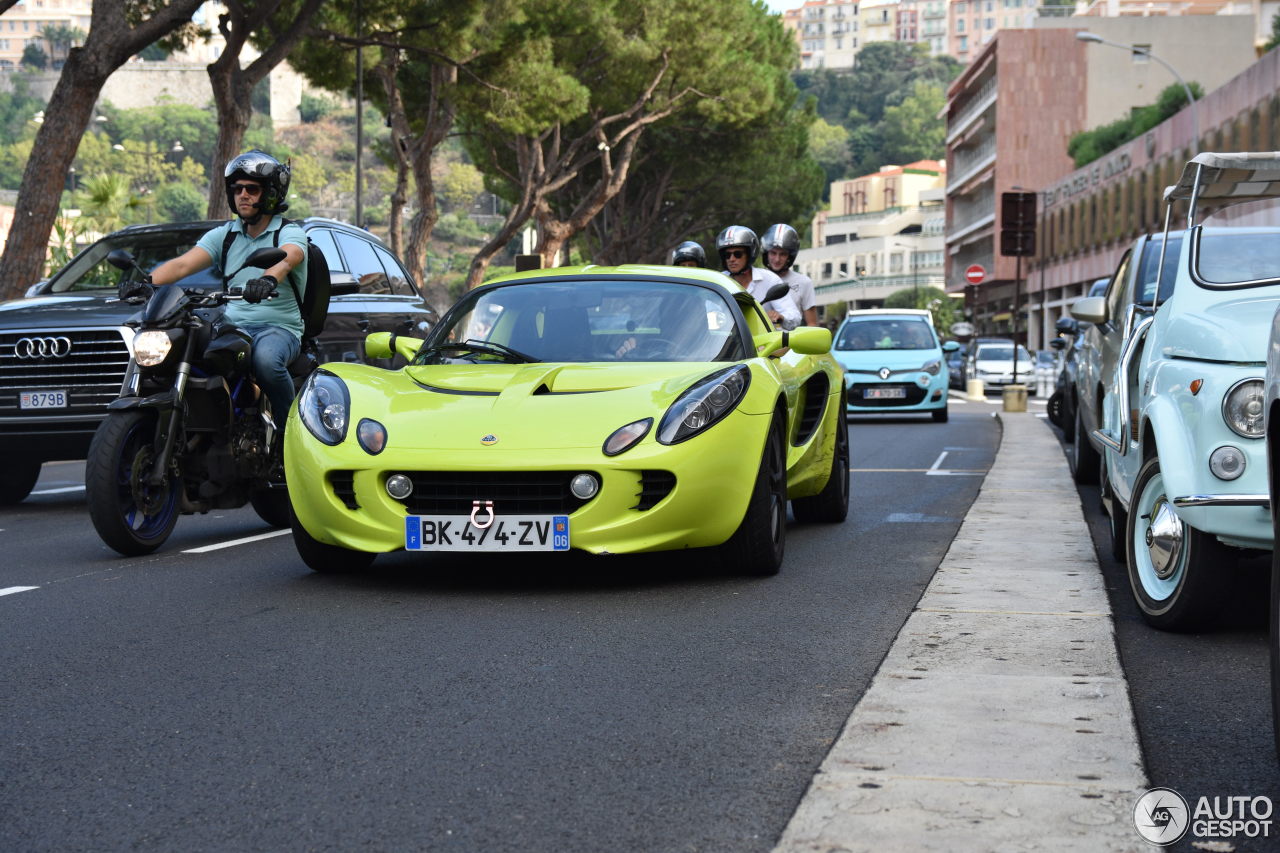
[389, 345]
[1091, 309]
[1057, 343]
[1067, 326]
[806, 340]
[951, 346]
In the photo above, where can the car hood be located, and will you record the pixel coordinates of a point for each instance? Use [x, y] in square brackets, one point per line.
[527, 406]
[1235, 330]
[64, 310]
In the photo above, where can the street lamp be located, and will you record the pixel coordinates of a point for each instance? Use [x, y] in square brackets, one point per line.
[1086, 36]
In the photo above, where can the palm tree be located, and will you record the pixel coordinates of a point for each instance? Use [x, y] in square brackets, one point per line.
[108, 202]
[61, 39]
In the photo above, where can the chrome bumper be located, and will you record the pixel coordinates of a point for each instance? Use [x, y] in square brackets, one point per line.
[1223, 500]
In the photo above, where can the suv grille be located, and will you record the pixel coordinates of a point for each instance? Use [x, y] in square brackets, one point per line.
[91, 372]
[512, 492]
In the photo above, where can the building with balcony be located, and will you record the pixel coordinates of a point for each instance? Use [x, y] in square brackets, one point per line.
[826, 32]
[25, 21]
[879, 21]
[883, 233]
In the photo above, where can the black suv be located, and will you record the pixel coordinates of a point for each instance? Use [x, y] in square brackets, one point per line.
[64, 347]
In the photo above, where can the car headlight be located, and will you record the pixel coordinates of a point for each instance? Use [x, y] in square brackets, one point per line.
[151, 347]
[932, 367]
[704, 404]
[1242, 408]
[1227, 462]
[325, 406]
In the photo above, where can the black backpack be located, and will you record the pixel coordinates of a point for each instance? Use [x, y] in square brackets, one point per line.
[314, 304]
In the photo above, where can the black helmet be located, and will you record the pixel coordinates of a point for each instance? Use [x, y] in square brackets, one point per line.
[784, 237]
[739, 236]
[261, 167]
[688, 251]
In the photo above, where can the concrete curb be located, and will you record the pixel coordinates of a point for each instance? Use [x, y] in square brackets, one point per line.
[1000, 719]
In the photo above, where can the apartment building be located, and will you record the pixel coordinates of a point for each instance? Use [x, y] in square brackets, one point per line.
[23, 23]
[826, 31]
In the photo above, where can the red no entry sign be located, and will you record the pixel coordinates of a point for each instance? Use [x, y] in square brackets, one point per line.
[975, 274]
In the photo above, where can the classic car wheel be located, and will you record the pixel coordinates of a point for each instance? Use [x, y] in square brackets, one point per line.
[1084, 459]
[17, 479]
[1177, 573]
[327, 559]
[1117, 518]
[832, 503]
[272, 506]
[939, 415]
[132, 516]
[757, 546]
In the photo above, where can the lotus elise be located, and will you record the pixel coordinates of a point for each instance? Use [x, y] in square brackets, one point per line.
[609, 410]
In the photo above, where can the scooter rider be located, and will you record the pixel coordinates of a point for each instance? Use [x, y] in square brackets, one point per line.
[688, 254]
[781, 244]
[738, 247]
[257, 186]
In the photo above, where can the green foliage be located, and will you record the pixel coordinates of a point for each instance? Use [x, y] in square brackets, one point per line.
[180, 202]
[163, 125]
[829, 146]
[458, 228]
[1275, 32]
[1089, 145]
[911, 130]
[944, 308]
[33, 56]
[459, 187]
[154, 53]
[17, 109]
[315, 107]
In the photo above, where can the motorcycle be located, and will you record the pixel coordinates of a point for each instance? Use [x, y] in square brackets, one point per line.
[191, 431]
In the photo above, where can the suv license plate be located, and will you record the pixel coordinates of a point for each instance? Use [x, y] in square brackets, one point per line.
[504, 533]
[42, 400]
[884, 393]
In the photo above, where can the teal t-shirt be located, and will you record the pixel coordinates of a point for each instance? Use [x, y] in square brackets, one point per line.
[281, 311]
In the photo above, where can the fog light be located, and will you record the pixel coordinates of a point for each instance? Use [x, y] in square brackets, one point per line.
[1227, 462]
[399, 486]
[584, 486]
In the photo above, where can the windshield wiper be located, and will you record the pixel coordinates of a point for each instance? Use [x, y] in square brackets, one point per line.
[486, 347]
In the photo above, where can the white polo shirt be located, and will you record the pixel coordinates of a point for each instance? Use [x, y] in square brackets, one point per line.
[761, 281]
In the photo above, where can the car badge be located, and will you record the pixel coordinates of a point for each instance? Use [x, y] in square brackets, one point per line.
[489, 440]
[885, 373]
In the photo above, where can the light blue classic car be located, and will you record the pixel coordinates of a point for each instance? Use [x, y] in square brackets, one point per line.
[893, 362]
[1185, 473]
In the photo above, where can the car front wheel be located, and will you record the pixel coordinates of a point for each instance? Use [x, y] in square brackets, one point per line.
[323, 558]
[1179, 575]
[757, 546]
[17, 479]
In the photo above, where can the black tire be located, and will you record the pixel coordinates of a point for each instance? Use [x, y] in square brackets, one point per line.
[831, 505]
[17, 479]
[1068, 419]
[130, 516]
[940, 415]
[1273, 624]
[1117, 518]
[326, 559]
[758, 545]
[1187, 590]
[272, 506]
[1084, 460]
[1053, 409]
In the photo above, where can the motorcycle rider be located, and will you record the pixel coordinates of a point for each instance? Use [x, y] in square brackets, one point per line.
[781, 244]
[738, 247]
[688, 254]
[257, 185]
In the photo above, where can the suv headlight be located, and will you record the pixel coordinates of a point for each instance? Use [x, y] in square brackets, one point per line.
[325, 407]
[1242, 408]
[704, 404]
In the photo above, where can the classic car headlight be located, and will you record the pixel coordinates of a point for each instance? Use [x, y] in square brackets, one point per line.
[151, 347]
[1242, 408]
[624, 438]
[324, 406]
[704, 404]
[932, 367]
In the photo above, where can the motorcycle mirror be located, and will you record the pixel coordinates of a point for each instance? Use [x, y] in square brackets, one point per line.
[121, 259]
[264, 258]
[778, 291]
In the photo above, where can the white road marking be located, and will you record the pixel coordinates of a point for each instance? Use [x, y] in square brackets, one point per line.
[915, 517]
[60, 491]
[12, 589]
[234, 542]
[937, 462]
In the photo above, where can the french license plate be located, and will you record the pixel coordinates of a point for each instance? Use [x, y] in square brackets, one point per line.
[42, 400]
[884, 393]
[504, 533]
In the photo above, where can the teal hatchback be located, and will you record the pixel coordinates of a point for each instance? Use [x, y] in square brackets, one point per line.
[893, 362]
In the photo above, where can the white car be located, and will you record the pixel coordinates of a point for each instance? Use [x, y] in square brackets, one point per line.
[992, 362]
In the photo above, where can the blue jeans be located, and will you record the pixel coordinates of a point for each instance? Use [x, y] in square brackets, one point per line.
[273, 348]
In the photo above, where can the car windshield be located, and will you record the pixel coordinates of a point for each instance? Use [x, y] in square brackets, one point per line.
[89, 270]
[1001, 352]
[622, 320]
[886, 333]
[1151, 266]
[1240, 256]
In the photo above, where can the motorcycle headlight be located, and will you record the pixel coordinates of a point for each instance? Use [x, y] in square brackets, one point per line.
[932, 367]
[704, 404]
[325, 407]
[151, 347]
[1242, 408]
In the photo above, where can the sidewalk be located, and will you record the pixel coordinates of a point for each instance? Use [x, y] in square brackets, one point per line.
[1000, 718]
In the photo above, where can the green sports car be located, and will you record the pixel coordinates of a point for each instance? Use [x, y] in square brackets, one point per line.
[603, 409]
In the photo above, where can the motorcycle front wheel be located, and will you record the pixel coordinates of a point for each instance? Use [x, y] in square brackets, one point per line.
[130, 515]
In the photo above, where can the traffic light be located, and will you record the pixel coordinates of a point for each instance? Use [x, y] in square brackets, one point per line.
[1017, 224]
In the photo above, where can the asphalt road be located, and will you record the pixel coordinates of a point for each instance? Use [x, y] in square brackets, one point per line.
[232, 700]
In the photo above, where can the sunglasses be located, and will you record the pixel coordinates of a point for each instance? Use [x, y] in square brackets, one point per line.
[249, 189]
[735, 253]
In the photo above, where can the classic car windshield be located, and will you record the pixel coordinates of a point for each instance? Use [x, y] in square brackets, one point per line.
[89, 270]
[1240, 256]
[587, 321]
[887, 333]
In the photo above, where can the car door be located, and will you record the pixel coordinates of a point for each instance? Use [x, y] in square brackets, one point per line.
[1099, 343]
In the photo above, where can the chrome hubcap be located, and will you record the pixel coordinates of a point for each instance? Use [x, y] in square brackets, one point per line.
[1164, 539]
